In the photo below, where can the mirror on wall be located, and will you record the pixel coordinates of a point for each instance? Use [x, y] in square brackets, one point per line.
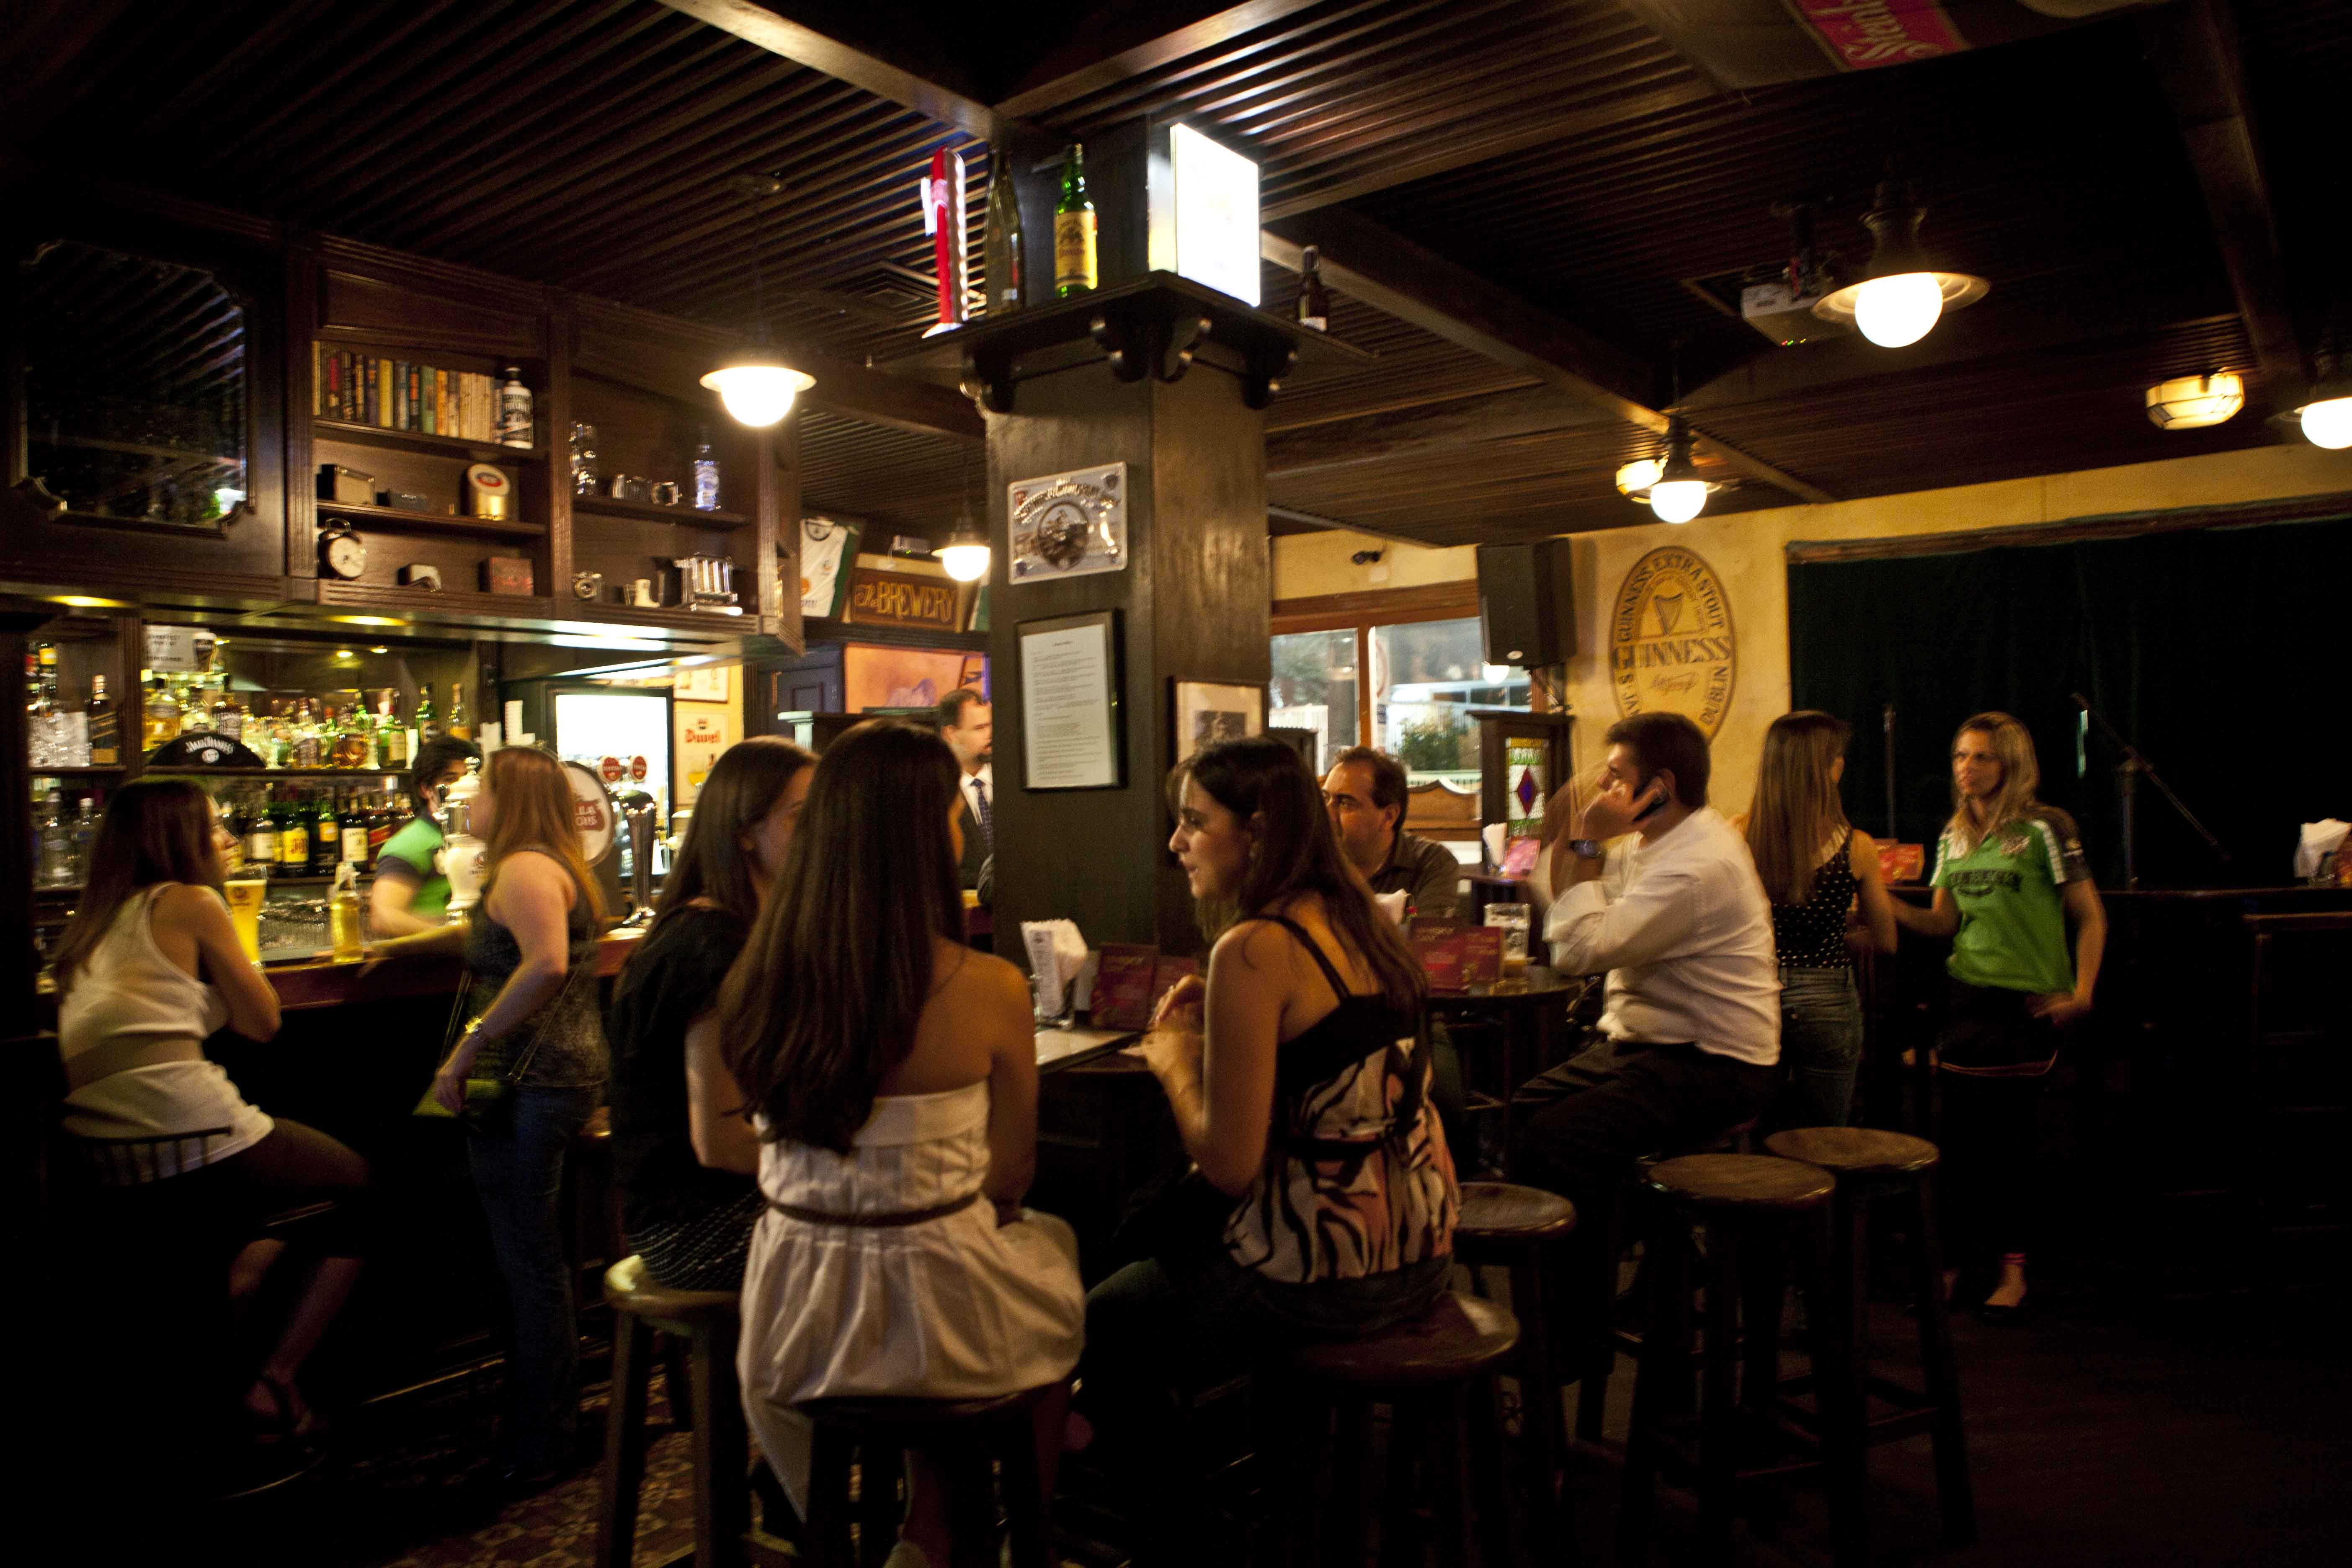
[135, 394]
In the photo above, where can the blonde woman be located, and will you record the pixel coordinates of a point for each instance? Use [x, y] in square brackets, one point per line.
[1818, 870]
[2009, 877]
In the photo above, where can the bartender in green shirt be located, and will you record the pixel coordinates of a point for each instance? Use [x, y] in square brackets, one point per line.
[410, 893]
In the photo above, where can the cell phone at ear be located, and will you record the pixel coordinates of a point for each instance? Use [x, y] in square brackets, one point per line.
[1664, 795]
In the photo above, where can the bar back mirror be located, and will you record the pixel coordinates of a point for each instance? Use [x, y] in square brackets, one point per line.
[134, 390]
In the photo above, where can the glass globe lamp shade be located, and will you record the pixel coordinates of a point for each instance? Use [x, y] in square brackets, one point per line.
[758, 394]
[1678, 501]
[964, 563]
[2194, 402]
[2328, 422]
[1898, 310]
[1637, 477]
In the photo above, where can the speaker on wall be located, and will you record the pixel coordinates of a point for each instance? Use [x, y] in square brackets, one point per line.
[1527, 602]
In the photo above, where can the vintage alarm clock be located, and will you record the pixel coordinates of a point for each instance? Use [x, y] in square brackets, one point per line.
[489, 490]
[342, 551]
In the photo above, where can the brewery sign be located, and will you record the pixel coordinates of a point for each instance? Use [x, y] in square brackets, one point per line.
[1671, 649]
[1068, 525]
[900, 599]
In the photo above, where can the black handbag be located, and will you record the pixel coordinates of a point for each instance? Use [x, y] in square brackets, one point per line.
[490, 1103]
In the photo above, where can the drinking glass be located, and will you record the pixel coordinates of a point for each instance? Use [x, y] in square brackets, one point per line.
[1515, 920]
[245, 899]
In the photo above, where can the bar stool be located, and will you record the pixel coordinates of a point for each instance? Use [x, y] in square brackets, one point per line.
[1597, 1354]
[1429, 1373]
[708, 1321]
[967, 1436]
[1750, 1206]
[1508, 1226]
[1869, 1163]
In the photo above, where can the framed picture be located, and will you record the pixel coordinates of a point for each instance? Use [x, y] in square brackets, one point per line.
[1209, 711]
[1067, 525]
[1071, 735]
[705, 683]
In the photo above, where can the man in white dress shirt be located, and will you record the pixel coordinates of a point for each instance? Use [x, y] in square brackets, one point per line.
[1689, 1039]
[969, 727]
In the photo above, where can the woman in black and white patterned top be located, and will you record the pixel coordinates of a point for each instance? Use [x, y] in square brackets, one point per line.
[1817, 869]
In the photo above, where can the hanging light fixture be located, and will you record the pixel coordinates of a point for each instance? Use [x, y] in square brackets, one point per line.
[755, 384]
[2327, 413]
[966, 554]
[1901, 295]
[2193, 402]
[1634, 480]
[1679, 492]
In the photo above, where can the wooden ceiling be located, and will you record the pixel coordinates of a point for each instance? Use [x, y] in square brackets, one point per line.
[1520, 192]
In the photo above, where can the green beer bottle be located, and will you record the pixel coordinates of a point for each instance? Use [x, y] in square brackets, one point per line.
[1074, 269]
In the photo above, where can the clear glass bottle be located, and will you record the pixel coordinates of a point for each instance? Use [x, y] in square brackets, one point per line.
[56, 864]
[85, 833]
[228, 714]
[514, 408]
[583, 460]
[706, 475]
[1000, 247]
[162, 715]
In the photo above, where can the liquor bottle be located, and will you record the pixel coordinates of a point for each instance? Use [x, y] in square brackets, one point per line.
[1314, 305]
[1075, 270]
[706, 475]
[391, 735]
[326, 835]
[162, 716]
[514, 408]
[351, 826]
[228, 714]
[85, 833]
[308, 747]
[293, 838]
[55, 861]
[231, 821]
[1000, 249]
[428, 728]
[260, 835]
[382, 824]
[459, 728]
[105, 726]
[344, 914]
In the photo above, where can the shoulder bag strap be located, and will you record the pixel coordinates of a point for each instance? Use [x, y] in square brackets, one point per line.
[587, 965]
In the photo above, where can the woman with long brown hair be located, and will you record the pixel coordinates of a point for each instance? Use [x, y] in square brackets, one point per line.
[891, 1073]
[690, 1222]
[2009, 875]
[530, 947]
[1298, 1080]
[1817, 869]
[148, 966]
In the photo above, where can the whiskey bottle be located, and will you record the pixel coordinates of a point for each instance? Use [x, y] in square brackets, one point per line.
[293, 838]
[326, 835]
[428, 728]
[161, 716]
[105, 726]
[1075, 267]
[1000, 249]
[514, 408]
[260, 835]
[706, 475]
[351, 825]
[459, 728]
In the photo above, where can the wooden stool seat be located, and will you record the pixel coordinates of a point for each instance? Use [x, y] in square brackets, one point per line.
[1500, 1211]
[1737, 1181]
[1854, 1150]
[629, 1288]
[874, 1418]
[1460, 1338]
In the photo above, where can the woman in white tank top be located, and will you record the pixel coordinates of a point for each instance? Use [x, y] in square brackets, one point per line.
[147, 968]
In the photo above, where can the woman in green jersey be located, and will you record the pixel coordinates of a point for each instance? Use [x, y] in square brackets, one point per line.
[2009, 877]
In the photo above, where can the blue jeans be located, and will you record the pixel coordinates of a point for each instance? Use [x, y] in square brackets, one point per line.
[1820, 1045]
[519, 1173]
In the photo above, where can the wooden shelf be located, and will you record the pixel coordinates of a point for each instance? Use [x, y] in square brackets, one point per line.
[418, 441]
[605, 505]
[670, 616]
[266, 773]
[101, 771]
[396, 518]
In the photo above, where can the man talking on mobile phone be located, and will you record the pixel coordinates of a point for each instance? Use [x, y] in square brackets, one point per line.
[1689, 1039]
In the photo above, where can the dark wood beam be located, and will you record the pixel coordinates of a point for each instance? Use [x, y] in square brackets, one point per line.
[1304, 520]
[1391, 274]
[1128, 38]
[1424, 430]
[2193, 50]
[861, 47]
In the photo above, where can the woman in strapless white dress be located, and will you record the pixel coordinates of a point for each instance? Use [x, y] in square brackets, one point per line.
[889, 1075]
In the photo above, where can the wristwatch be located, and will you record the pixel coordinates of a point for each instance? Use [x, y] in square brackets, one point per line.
[1588, 848]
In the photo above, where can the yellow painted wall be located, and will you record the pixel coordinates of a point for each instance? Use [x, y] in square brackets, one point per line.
[1745, 551]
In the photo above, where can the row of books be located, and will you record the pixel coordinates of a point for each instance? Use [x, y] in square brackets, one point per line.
[401, 395]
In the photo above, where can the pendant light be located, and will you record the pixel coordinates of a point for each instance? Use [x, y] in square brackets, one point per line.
[2327, 413]
[966, 554]
[1679, 492]
[2194, 402]
[1902, 294]
[755, 384]
[1634, 480]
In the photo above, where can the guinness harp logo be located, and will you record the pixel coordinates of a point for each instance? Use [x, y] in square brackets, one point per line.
[1671, 649]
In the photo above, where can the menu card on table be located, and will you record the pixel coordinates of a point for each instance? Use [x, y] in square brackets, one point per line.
[1442, 947]
[1125, 986]
[1482, 954]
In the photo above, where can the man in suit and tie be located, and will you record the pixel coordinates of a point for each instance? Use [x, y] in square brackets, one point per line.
[967, 726]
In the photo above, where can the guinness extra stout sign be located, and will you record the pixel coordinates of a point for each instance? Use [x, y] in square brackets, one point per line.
[1671, 648]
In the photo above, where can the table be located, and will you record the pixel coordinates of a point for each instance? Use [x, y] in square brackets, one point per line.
[1529, 1014]
[1059, 1048]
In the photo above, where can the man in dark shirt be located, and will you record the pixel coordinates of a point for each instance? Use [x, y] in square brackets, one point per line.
[968, 725]
[1366, 793]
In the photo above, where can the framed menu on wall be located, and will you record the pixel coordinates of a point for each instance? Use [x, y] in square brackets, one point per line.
[1070, 723]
